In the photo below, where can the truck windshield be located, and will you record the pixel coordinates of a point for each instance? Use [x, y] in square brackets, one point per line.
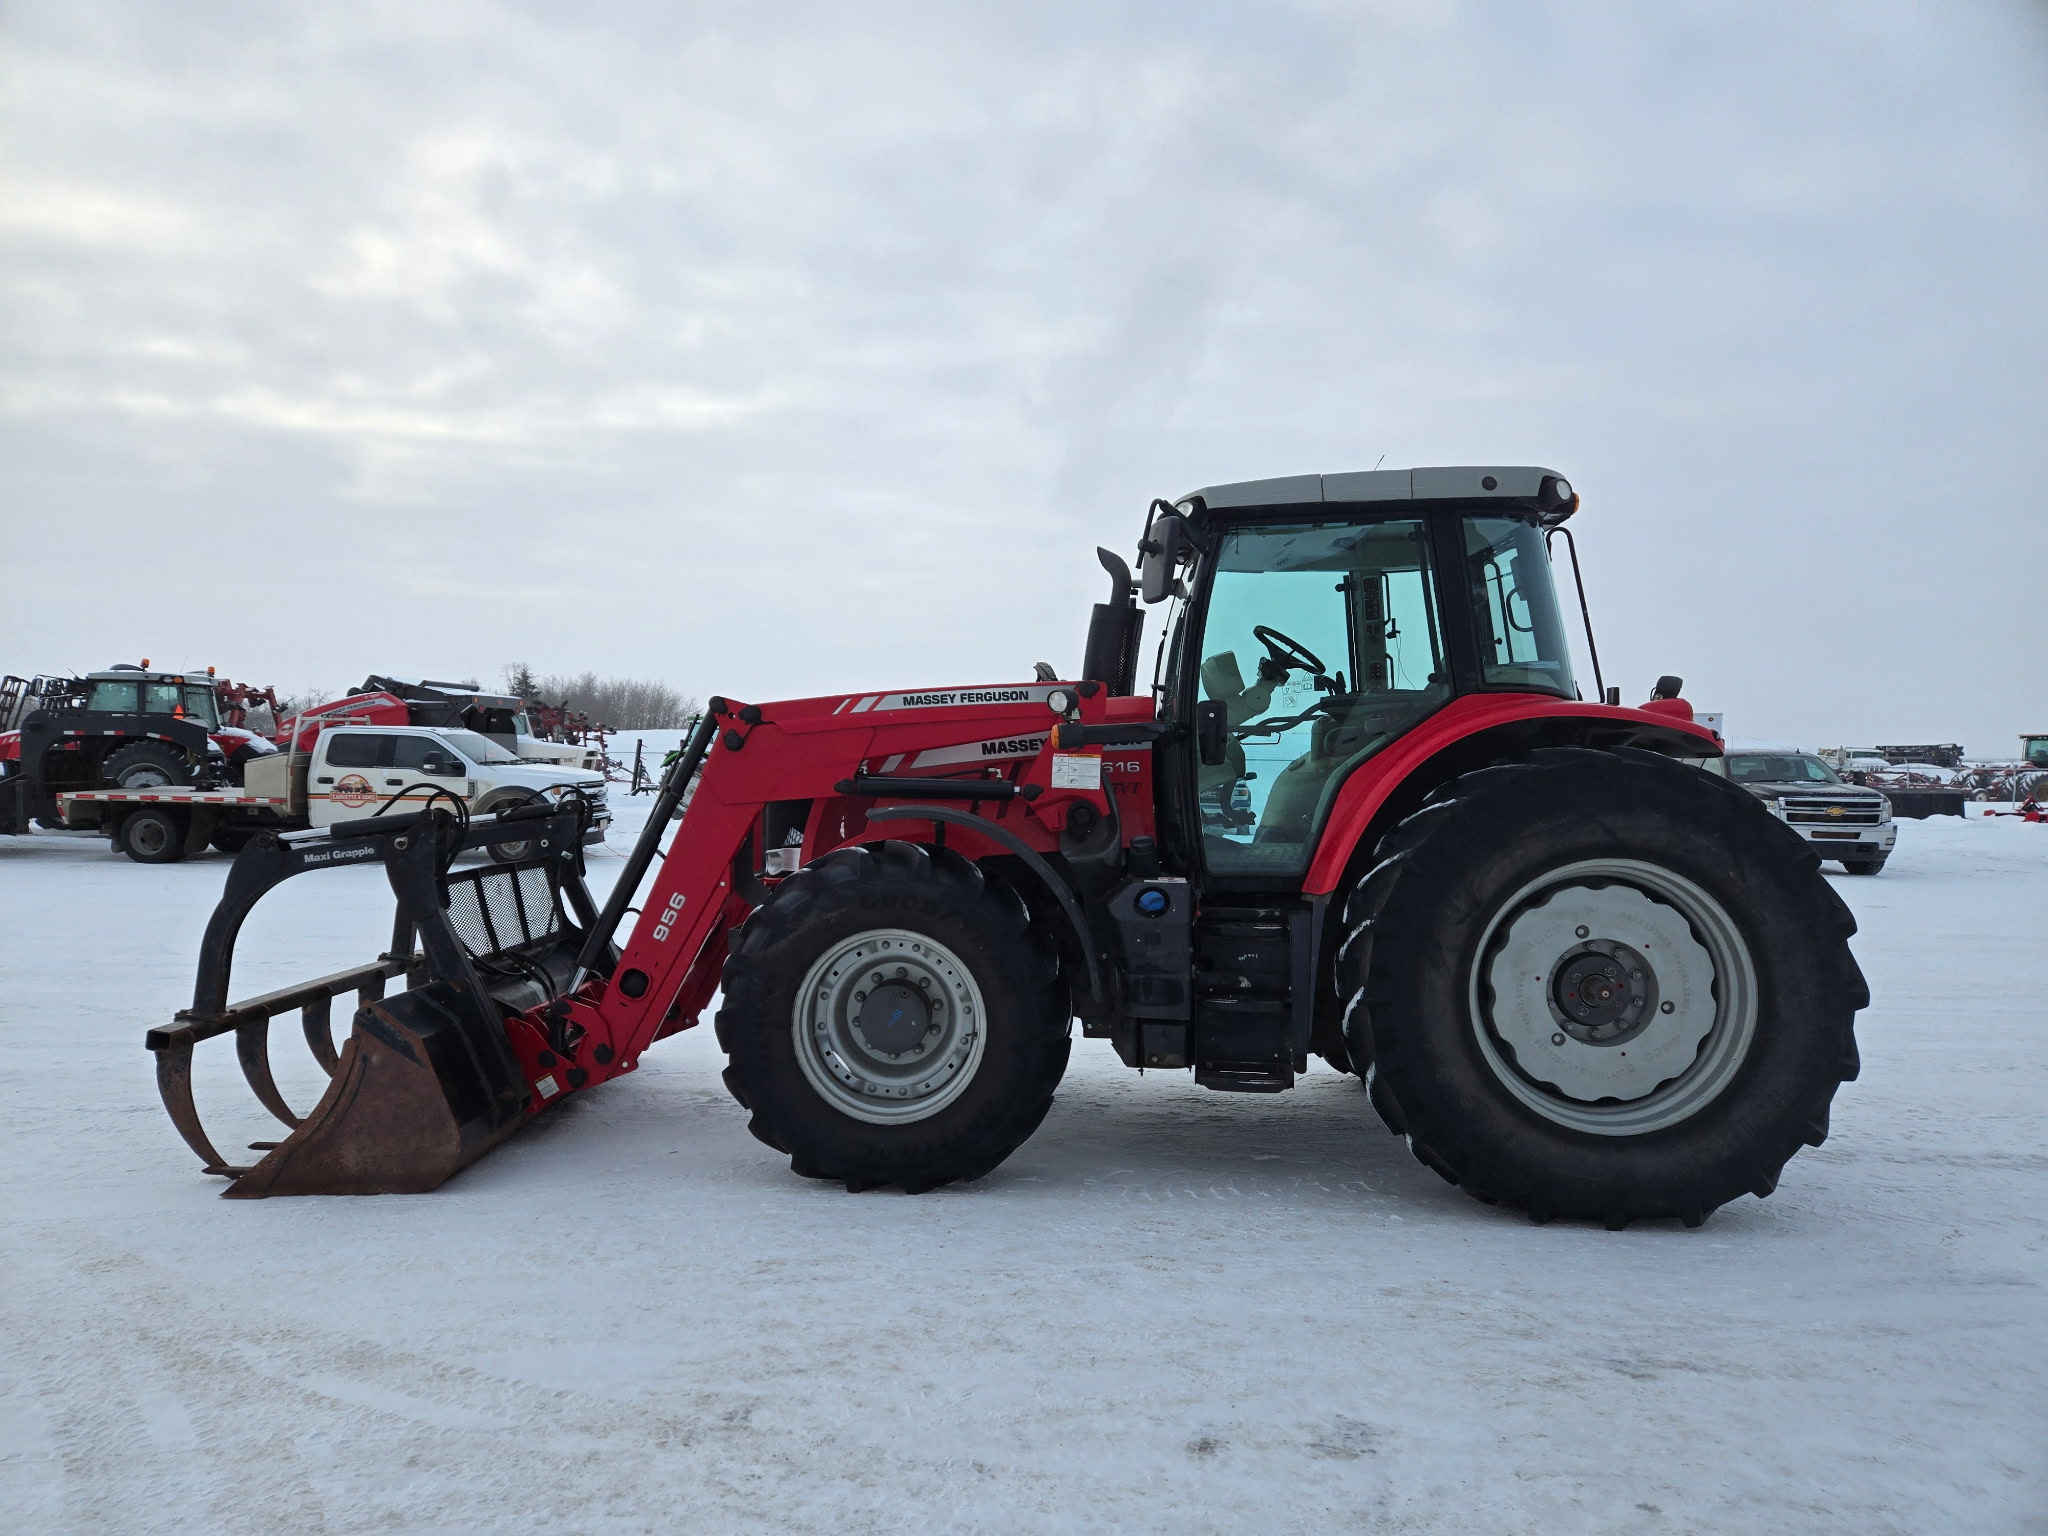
[478, 749]
[1514, 605]
[1780, 768]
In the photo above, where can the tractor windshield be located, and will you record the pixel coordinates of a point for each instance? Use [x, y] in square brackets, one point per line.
[1514, 605]
[1321, 644]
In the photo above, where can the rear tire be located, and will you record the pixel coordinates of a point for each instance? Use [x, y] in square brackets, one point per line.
[1602, 984]
[933, 1074]
[153, 835]
[1863, 866]
[232, 839]
[145, 765]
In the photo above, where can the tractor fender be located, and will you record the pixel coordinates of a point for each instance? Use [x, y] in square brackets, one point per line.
[1033, 860]
[1467, 733]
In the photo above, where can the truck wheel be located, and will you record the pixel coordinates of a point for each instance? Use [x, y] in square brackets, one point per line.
[1603, 984]
[1863, 866]
[232, 839]
[153, 835]
[893, 1018]
[145, 765]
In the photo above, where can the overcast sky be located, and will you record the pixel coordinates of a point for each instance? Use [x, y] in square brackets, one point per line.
[775, 349]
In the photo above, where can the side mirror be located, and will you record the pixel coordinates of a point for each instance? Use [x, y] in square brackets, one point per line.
[1165, 545]
[1212, 732]
[443, 767]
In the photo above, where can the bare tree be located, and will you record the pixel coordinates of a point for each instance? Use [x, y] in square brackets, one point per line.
[623, 703]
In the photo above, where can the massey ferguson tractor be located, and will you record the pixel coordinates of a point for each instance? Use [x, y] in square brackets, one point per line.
[1362, 811]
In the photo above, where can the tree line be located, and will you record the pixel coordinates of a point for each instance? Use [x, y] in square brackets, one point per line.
[623, 703]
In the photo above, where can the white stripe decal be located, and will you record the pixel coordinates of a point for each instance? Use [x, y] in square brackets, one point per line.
[865, 704]
[981, 751]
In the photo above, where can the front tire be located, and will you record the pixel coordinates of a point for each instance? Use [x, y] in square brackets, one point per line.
[1602, 984]
[146, 765]
[893, 1017]
[1863, 866]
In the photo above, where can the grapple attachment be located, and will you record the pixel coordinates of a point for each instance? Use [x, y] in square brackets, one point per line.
[428, 1080]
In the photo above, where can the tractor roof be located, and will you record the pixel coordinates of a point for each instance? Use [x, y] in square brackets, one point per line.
[1543, 490]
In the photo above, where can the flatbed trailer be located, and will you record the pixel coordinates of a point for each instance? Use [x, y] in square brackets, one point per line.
[166, 823]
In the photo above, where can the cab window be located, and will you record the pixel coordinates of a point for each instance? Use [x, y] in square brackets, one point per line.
[354, 751]
[1321, 643]
[118, 698]
[425, 754]
[1781, 769]
[163, 699]
[1514, 606]
[201, 704]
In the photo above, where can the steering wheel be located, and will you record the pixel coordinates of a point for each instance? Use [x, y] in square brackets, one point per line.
[1286, 652]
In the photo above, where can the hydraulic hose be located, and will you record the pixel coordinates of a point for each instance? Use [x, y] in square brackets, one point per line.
[595, 954]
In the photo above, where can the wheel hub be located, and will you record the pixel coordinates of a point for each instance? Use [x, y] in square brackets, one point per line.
[1602, 992]
[888, 1026]
[894, 1019]
[1599, 998]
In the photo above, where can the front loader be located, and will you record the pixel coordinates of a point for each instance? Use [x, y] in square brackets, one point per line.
[1362, 812]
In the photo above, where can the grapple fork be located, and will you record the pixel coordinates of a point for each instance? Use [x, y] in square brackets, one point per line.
[428, 1080]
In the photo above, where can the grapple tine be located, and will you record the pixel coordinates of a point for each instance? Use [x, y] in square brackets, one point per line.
[316, 1019]
[174, 1083]
[252, 1049]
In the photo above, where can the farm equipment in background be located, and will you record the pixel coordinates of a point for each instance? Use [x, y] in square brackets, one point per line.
[344, 772]
[502, 718]
[127, 728]
[1578, 975]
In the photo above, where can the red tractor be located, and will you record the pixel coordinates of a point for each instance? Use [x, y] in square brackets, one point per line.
[1362, 812]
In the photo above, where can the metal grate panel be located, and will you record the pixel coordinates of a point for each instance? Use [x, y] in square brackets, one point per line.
[493, 910]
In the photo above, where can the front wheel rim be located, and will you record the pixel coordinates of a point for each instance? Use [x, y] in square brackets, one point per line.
[889, 1026]
[1614, 997]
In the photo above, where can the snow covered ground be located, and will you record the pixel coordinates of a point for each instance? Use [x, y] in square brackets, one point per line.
[1171, 1311]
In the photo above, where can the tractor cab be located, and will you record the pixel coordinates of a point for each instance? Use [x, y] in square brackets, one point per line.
[127, 690]
[1316, 620]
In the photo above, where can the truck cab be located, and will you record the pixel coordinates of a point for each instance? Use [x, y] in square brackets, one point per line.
[353, 771]
[1841, 821]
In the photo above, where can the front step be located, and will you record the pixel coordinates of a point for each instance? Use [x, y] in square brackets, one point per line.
[1243, 1035]
[1252, 1078]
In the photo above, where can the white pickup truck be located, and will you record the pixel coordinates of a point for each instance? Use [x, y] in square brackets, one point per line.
[352, 771]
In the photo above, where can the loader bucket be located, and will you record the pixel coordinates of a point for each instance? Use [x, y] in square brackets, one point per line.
[427, 1081]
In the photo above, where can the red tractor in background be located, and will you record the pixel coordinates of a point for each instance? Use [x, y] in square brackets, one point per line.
[1361, 812]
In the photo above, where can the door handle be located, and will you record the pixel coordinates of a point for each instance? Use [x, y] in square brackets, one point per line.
[395, 783]
[326, 781]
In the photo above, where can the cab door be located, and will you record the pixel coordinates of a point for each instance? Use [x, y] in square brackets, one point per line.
[418, 766]
[1316, 644]
[346, 781]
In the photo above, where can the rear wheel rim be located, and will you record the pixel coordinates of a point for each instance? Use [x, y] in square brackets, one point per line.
[145, 776]
[1614, 997]
[889, 1026]
[149, 836]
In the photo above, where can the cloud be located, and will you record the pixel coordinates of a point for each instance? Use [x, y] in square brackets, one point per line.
[793, 347]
